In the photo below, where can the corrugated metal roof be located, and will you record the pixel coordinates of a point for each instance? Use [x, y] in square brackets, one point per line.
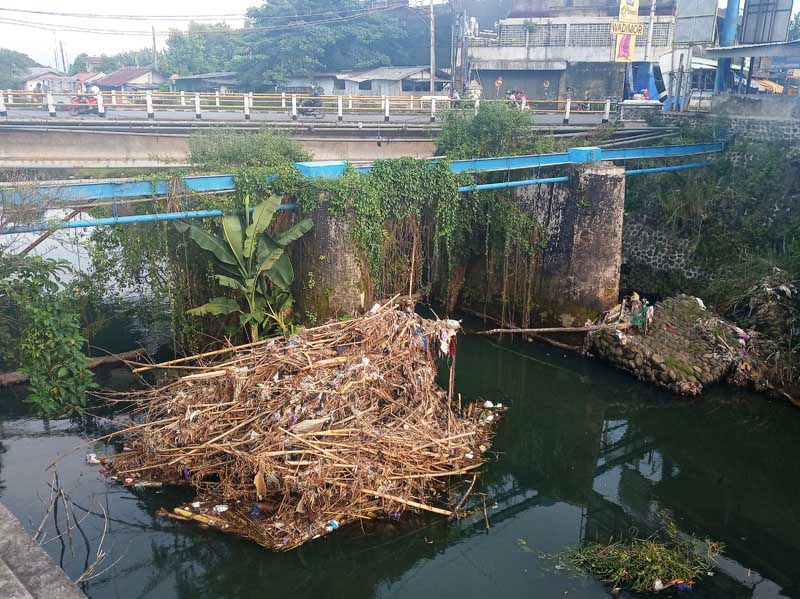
[34, 72]
[382, 74]
[218, 75]
[123, 76]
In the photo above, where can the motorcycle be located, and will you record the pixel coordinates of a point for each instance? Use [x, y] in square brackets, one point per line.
[311, 108]
[83, 105]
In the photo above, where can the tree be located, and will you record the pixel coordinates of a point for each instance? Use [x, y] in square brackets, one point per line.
[201, 49]
[794, 27]
[281, 47]
[252, 263]
[13, 66]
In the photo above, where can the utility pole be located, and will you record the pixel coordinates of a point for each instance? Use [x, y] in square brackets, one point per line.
[648, 49]
[433, 51]
[155, 53]
[63, 60]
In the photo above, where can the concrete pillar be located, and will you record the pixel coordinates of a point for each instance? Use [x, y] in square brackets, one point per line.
[578, 275]
[328, 272]
[339, 114]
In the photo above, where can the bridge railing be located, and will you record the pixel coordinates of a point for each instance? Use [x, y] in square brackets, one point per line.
[293, 105]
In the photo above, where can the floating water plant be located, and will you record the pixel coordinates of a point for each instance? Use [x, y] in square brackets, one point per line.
[664, 559]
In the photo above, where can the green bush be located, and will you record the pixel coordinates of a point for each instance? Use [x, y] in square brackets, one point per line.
[41, 324]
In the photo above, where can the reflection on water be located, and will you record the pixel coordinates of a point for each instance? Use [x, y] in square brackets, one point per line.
[584, 453]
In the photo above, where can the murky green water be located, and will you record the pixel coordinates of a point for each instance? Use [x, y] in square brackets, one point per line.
[584, 452]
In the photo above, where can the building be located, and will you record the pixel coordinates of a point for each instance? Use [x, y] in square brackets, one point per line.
[88, 79]
[545, 47]
[224, 81]
[50, 80]
[131, 79]
[380, 81]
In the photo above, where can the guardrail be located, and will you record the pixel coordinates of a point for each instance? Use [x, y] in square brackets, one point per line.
[294, 105]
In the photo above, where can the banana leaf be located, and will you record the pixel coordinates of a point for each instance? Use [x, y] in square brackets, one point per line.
[215, 307]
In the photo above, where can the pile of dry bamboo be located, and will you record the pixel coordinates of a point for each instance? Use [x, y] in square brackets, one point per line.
[287, 440]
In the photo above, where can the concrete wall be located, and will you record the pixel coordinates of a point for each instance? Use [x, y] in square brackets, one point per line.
[328, 274]
[770, 106]
[66, 149]
[578, 273]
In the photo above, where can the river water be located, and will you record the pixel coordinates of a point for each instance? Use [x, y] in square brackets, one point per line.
[584, 452]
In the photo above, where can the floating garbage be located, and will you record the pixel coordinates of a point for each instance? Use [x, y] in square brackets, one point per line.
[91, 458]
[291, 440]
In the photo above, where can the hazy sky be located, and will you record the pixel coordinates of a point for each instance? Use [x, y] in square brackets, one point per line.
[40, 45]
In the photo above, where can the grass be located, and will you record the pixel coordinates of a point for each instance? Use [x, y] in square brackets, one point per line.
[664, 559]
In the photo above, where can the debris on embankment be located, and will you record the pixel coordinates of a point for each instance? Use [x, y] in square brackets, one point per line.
[677, 344]
[289, 440]
[682, 346]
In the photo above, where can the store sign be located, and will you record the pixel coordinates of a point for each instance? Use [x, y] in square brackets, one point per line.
[622, 28]
[627, 28]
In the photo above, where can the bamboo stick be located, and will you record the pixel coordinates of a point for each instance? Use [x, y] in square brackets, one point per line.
[617, 327]
[408, 502]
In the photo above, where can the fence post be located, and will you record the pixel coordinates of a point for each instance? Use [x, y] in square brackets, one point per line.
[294, 107]
[216, 98]
[183, 99]
[607, 112]
[433, 110]
[197, 113]
[283, 99]
[567, 107]
[250, 100]
[51, 108]
[113, 97]
[386, 102]
[477, 105]
[524, 103]
[339, 106]
[10, 97]
[349, 102]
[149, 99]
[3, 111]
[101, 109]
[246, 101]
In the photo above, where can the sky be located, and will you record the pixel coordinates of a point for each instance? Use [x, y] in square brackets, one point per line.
[41, 45]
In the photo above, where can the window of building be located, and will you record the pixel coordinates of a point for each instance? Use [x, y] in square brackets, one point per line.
[338, 84]
[365, 85]
[590, 34]
[551, 34]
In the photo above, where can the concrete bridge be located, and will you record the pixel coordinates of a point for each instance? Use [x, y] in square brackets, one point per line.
[113, 143]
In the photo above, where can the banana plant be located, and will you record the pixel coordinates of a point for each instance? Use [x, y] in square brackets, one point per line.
[251, 262]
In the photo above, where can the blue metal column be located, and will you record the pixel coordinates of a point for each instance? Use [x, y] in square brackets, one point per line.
[727, 38]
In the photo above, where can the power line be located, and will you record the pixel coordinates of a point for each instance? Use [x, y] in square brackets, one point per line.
[186, 17]
[68, 28]
[54, 27]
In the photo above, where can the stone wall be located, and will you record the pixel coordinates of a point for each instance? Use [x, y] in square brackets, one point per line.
[755, 129]
[657, 249]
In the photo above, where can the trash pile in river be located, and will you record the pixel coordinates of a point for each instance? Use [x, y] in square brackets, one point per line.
[289, 440]
[677, 344]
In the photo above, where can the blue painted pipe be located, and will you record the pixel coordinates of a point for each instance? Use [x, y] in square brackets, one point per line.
[70, 192]
[506, 184]
[121, 220]
[727, 37]
[668, 169]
